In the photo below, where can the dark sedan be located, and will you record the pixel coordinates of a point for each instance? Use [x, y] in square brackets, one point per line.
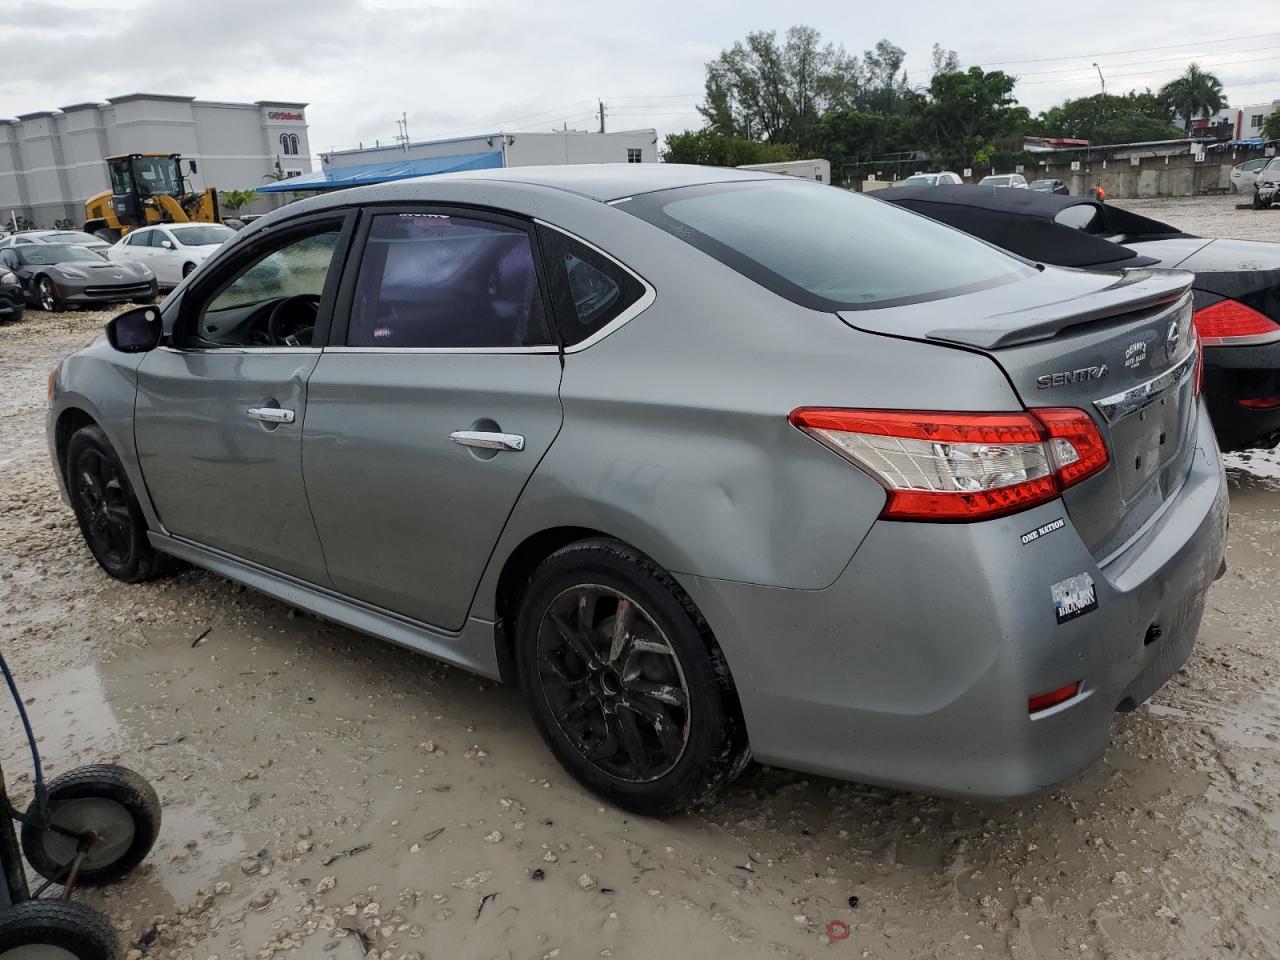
[12, 301]
[56, 276]
[1236, 288]
[1049, 186]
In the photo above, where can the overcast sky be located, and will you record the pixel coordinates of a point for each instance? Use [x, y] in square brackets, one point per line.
[458, 68]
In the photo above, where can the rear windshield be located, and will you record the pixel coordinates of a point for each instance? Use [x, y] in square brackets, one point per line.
[202, 235]
[827, 248]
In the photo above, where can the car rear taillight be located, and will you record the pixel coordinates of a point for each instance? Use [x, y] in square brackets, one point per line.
[1230, 322]
[962, 466]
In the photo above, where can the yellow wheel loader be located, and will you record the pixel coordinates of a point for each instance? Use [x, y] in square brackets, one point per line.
[147, 188]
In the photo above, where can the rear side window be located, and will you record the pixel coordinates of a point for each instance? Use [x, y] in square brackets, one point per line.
[589, 291]
[440, 281]
[827, 248]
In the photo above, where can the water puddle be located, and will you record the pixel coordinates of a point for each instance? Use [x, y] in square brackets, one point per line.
[70, 715]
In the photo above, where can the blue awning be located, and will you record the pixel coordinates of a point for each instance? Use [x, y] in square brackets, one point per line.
[339, 178]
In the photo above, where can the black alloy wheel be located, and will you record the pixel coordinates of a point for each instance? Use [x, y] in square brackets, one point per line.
[110, 518]
[47, 294]
[625, 681]
[613, 682]
[100, 491]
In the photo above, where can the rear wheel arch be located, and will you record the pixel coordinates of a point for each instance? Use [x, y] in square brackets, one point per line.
[517, 569]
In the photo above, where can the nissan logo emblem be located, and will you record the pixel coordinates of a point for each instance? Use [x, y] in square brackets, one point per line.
[1173, 339]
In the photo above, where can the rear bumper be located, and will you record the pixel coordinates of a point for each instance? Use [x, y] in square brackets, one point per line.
[914, 668]
[1234, 376]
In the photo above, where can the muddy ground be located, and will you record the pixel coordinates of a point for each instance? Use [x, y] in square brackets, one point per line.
[280, 742]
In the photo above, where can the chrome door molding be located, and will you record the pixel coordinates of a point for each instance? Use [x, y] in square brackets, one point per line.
[1120, 405]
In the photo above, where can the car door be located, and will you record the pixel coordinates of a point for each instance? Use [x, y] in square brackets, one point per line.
[433, 406]
[136, 246]
[164, 257]
[220, 408]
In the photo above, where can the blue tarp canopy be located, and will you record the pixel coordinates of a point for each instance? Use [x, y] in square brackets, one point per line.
[339, 178]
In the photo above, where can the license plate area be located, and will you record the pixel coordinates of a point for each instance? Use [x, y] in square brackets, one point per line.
[1149, 441]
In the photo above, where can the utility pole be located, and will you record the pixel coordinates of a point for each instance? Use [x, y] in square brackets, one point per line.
[602, 116]
[1102, 79]
[402, 125]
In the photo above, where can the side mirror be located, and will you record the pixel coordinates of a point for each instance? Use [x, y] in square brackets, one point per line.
[135, 331]
[166, 244]
[191, 165]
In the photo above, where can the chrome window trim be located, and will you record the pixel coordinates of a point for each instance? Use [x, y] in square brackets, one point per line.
[1142, 395]
[550, 349]
[239, 350]
[640, 306]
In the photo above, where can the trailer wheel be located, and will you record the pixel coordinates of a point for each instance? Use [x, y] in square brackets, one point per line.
[56, 930]
[113, 804]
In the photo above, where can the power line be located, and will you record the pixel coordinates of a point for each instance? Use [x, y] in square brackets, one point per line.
[1138, 63]
[1145, 73]
[1113, 53]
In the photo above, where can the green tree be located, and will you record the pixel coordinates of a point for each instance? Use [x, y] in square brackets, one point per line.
[1271, 128]
[235, 199]
[882, 90]
[1197, 93]
[964, 112]
[761, 89]
[714, 149]
[1107, 118]
[943, 61]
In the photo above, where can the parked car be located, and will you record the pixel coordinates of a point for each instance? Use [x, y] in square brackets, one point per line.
[1236, 288]
[1049, 186]
[171, 250]
[77, 237]
[55, 276]
[1266, 188]
[12, 300]
[1245, 175]
[1015, 180]
[931, 179]
[894, 508]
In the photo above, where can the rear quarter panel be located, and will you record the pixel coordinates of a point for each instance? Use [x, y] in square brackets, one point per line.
[676, 437]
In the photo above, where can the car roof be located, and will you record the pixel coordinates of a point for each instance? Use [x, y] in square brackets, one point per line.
[610, 181]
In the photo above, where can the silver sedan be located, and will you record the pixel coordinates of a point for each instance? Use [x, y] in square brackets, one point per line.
[714, 464]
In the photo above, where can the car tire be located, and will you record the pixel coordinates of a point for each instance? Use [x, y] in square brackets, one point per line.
[646, 717]
[110, 519]
[1257, 201]
[119, 807]
[61, 927]
[47, 295]
[186, 270]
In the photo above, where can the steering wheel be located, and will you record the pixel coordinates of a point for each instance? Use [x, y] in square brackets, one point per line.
[286, 331]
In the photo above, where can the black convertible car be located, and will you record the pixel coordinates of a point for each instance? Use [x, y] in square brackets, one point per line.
[1236, 288]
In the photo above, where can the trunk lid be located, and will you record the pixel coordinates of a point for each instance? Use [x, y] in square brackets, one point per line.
[1118, 346]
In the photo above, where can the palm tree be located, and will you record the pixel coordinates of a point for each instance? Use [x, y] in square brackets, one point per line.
[1196, 93]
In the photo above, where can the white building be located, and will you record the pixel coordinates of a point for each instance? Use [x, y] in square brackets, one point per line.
[1247, 121]
[517, 149]
[51, 161]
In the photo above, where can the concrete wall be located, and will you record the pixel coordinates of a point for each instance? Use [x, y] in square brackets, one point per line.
[52, 161]
[519, 149]
[1167, 176]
